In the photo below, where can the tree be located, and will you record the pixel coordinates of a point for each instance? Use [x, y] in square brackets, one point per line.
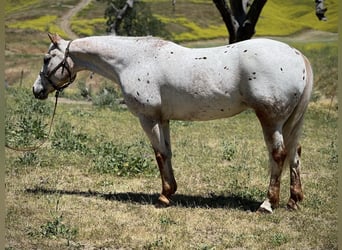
[320, 10]
[239, 16]
[124, 20]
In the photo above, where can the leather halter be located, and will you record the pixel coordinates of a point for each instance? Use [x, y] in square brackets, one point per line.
[64, 64]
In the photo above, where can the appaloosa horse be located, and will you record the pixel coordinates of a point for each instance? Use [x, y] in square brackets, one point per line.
[162, 81]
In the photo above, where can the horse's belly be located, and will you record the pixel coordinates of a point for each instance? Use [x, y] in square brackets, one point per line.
[201, 109]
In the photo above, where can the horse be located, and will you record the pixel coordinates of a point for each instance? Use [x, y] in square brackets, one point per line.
[162, 81]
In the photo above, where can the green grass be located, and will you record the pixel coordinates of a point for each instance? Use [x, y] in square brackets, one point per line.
[44, 24]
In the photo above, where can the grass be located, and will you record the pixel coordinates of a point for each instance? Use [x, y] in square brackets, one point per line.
[215, 204]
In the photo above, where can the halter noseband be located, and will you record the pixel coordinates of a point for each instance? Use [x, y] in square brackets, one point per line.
[64, 64]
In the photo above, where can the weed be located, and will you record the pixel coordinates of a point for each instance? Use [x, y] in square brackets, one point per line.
[28, 158]
[119, 160]
[229, 150]
[159, 243]
[55, 228]
[166, 221]
[66, 138]
[333, 152]
[278, 239]
[25, 121]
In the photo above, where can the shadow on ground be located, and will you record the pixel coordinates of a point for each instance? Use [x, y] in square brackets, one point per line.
[179, 200]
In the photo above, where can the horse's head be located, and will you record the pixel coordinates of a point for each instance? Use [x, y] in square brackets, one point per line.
[57, 71]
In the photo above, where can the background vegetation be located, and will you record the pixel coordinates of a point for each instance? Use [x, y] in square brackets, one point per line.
[94, 184]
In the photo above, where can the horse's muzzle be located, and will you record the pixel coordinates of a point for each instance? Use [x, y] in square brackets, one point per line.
[38, 90]
[42, 95]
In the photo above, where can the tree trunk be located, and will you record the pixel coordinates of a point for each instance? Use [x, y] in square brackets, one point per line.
[240, 18]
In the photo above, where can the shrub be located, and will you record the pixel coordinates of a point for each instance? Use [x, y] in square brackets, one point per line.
[107, 97]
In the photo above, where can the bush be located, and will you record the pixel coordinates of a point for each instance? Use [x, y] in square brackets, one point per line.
[107, 97]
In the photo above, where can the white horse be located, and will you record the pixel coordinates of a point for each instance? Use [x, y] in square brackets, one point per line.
[162, 81]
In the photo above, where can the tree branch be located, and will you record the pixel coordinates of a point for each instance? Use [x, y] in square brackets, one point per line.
[247, 29]
[227, 17]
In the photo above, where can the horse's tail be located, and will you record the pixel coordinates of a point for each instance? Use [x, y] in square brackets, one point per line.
[292, 127]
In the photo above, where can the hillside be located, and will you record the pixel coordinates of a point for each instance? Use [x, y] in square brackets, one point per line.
[28, 21]
[277, 18]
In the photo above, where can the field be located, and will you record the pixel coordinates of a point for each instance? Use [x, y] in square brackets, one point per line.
[93, 185]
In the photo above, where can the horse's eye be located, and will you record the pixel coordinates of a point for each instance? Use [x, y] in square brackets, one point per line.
[47, 58]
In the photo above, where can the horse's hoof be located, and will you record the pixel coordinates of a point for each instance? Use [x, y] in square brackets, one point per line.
[292, 205]
[265, 208]
[262, 210]
[162, 202]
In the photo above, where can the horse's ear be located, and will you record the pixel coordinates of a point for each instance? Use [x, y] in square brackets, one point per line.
[55, 38]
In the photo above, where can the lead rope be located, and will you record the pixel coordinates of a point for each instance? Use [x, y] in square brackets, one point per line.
[32, 148]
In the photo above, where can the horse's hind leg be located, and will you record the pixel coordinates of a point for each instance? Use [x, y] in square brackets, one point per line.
[277, 155]
[296, 193]
[159, 135]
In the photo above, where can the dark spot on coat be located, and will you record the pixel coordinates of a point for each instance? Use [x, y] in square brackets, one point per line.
[148, 81]
[250, 79]
[225, 51]
[226, 68]
[245, 51]
[222, 110]
[303, 77]
[139, 79]
[281, 69]
[254, 73]
[138, 93]
[171, 52]
[147, 100]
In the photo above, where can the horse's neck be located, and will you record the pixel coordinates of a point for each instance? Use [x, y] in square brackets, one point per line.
[106, 56]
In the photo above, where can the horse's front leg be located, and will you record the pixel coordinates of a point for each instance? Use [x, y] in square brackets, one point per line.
[159, 134]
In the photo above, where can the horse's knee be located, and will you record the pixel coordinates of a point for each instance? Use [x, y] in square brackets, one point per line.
[279, 155]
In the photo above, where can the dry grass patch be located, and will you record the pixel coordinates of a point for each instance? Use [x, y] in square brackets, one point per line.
[58, 202]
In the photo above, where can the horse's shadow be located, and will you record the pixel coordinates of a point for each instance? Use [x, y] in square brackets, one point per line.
[179, 200]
